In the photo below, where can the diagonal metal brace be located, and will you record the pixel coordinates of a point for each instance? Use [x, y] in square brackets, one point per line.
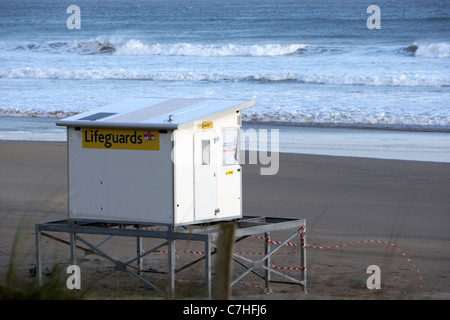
[122, 266]
[260, 263]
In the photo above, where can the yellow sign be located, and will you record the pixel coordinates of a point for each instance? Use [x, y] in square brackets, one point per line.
[205, 125]
[120, 139]
[229, 172]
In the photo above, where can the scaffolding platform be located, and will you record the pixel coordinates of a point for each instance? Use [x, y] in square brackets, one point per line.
[207, 233]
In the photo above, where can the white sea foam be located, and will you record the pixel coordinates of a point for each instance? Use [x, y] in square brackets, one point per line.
[36, 113]
[136, 47]
[133, 47]
[75, 46]
[433, 50]
[400, 80]
[323, 118]
[382, 120]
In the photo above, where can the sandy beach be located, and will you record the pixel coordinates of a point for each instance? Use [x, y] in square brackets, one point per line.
[404, 205]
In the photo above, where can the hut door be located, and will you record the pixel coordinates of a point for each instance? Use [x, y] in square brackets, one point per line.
[205, 175]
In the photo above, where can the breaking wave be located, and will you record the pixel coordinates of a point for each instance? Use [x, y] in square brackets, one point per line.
[36, 113]
[325, 119]
[134, 47]
[401, 80]
[80, 47]
[380, 120]
[430, 50]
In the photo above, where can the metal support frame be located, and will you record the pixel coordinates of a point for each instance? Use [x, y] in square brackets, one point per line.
[208, 233]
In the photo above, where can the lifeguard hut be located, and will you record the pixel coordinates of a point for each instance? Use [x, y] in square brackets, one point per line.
[152, 160]
[162, 169]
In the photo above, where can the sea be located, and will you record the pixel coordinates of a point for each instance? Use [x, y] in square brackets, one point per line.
[337, 77]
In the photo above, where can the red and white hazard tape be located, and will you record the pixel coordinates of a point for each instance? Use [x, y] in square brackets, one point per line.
[373, 241]
[290, 244]
[183, 251]
[287, 268]
[302, 230]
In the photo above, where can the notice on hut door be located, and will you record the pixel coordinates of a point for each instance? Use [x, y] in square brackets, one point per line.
[120, 139]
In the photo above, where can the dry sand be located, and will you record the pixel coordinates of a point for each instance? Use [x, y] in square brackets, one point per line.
[404, 204]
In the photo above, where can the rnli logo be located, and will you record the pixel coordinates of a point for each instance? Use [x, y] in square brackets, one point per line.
[120, 139]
